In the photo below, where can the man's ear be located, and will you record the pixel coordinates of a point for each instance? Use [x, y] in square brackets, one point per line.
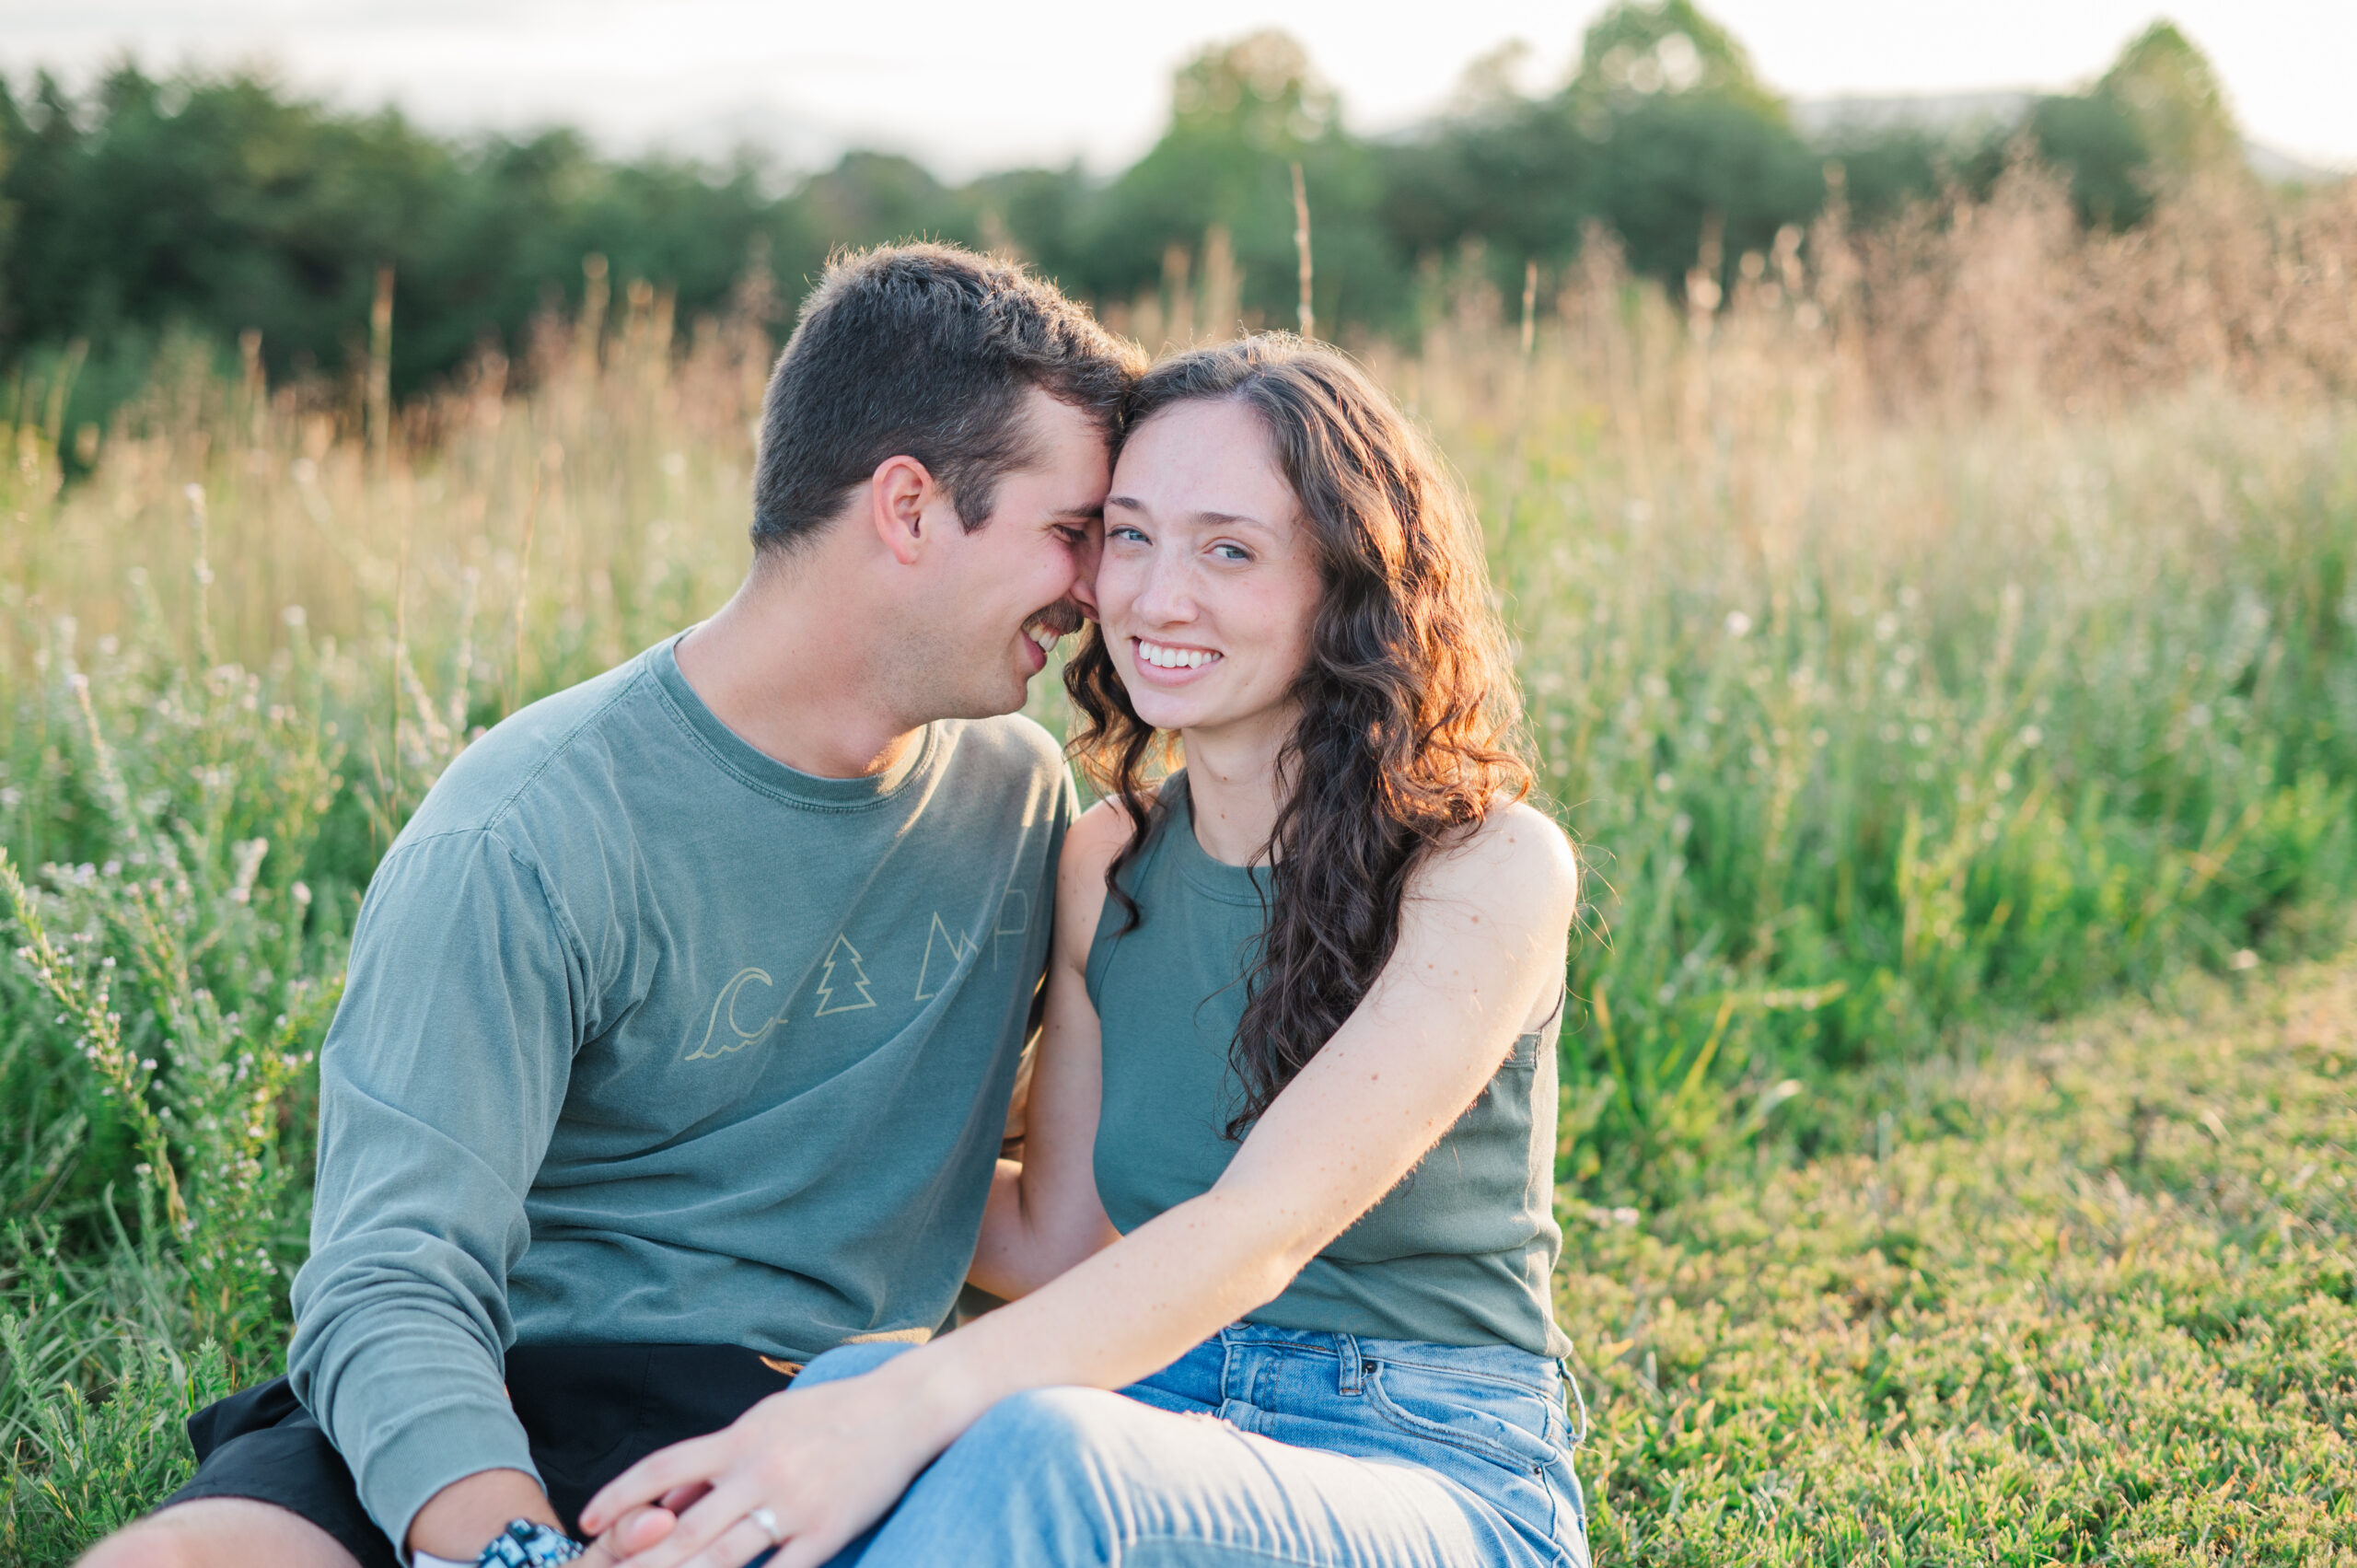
[899, 493]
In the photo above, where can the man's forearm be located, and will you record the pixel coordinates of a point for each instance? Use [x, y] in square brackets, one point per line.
[460, 1518]
[436, 1107]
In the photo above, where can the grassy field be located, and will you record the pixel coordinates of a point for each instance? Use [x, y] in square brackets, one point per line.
[1941, 635]
[2091, 1300]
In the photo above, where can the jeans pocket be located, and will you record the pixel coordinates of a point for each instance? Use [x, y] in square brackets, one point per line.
[1503, 1422]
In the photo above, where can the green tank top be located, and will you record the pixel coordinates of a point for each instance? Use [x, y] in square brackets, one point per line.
[1458, 1253]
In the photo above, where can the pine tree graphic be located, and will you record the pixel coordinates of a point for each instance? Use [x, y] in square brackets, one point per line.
[856, 979]
[944, 949]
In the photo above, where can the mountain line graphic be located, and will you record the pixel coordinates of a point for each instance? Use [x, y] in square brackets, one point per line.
[946, 948]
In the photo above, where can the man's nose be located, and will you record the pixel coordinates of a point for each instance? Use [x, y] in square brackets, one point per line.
[1085, 558]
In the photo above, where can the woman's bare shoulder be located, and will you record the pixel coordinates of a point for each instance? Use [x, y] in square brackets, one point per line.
[1515, 854]
[1090, 845]
[1091, 842]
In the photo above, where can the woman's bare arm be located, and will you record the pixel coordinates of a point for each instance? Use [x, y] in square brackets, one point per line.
[1044, 1215]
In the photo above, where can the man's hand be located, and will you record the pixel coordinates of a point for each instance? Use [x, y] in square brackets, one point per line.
[459, 1520]
[637, 1531]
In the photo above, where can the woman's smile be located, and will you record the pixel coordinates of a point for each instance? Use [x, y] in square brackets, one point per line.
[1171, 663]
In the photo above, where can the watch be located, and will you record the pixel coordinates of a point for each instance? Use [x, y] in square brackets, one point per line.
[525, 1544]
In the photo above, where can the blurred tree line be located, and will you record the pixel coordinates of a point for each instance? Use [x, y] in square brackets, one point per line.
[206, 205]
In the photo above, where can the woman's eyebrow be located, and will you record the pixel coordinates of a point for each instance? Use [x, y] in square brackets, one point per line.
[1213, 520]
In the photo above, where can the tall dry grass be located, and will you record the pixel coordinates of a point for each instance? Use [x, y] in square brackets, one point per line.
[1945, 623]
[1952, 615]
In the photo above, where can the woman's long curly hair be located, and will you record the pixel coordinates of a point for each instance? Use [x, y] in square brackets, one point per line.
[1410, 728]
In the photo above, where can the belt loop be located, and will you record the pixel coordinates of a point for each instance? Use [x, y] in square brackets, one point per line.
[1353, 1371]
[1571, 1388]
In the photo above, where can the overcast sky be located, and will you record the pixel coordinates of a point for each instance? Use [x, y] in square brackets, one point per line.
[967, 85]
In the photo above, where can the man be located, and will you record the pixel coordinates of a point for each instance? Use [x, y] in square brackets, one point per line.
[682, 1017]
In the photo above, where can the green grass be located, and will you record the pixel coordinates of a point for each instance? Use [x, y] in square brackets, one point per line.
[1981, 720]
[2094, 1301]
[1882, 736]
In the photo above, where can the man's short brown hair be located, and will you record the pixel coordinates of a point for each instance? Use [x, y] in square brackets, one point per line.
[924, 350]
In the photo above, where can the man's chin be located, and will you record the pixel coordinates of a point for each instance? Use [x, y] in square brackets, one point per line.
[978, 705]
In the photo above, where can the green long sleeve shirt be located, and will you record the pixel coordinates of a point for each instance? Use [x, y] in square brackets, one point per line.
[649, 1037]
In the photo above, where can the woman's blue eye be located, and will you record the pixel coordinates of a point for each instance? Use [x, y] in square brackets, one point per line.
[1233, 553]
[1122, 530]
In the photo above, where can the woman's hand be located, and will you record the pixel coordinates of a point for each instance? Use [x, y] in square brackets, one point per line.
[825, 1462]
[634, 1532]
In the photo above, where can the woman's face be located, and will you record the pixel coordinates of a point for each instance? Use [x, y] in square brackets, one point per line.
[1208, 584]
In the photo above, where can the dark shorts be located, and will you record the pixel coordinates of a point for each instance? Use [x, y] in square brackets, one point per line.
[590, 1411]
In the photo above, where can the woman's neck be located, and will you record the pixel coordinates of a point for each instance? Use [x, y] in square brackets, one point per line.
[1233, 785]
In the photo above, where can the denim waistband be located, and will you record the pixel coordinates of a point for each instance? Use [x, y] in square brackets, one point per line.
[1504, 1362]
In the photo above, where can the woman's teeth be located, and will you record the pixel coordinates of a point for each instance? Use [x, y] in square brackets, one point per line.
[1161, 658]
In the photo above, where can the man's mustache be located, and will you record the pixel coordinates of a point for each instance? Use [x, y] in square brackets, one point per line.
[1063, 619]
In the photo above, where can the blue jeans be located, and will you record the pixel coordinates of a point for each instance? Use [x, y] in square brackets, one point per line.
[1263, 1446]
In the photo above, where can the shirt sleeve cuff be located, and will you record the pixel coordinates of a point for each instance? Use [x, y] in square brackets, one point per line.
[403, 1471]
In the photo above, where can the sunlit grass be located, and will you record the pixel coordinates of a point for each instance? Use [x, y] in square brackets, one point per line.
[1888, 711]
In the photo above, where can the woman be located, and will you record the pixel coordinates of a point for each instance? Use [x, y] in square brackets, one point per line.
[1291, 1133]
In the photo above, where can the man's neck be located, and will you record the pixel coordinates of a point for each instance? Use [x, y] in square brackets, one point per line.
[1233, 787]
[791, 679]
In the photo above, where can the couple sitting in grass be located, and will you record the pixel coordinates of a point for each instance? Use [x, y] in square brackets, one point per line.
[661, 1121]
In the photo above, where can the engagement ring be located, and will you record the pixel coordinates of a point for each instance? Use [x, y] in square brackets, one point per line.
[766, 1522]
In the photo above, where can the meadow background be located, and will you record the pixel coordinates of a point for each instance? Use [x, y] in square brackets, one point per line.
[1931, 581]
